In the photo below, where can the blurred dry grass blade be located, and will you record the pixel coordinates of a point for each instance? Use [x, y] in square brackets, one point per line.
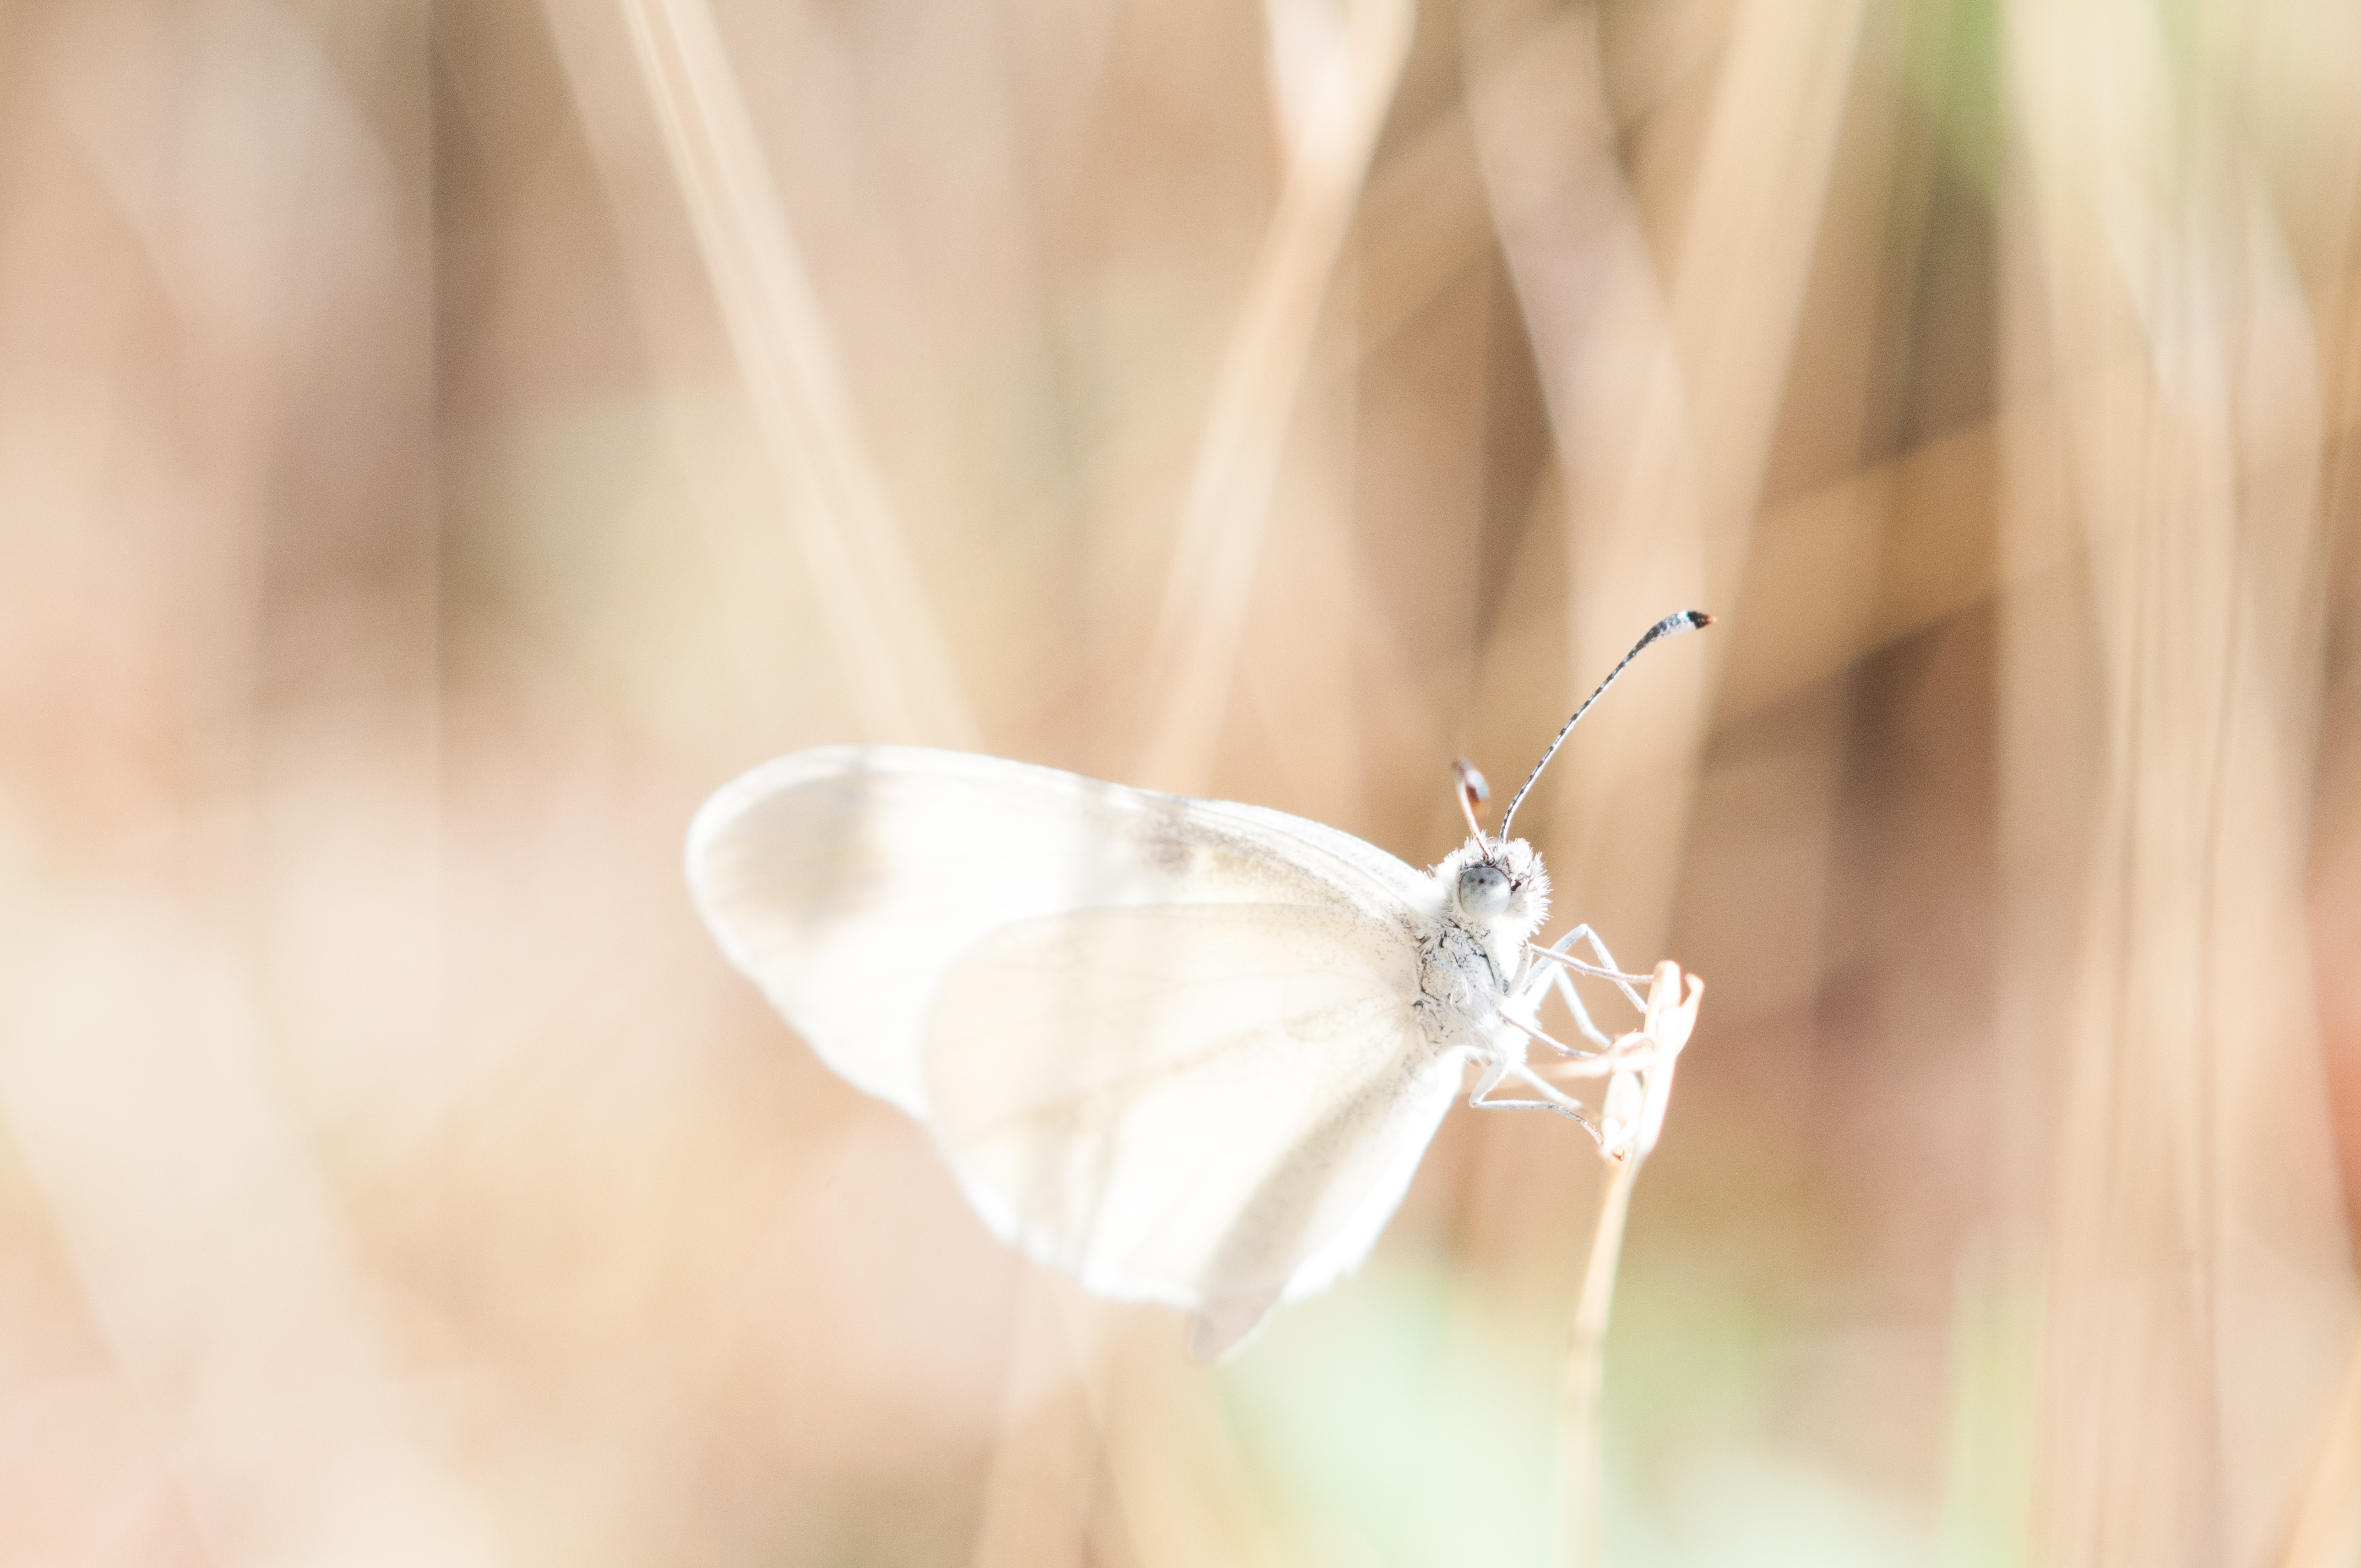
[2200, 1291]
[1333, 66]
[204, 1230]
[217, 792]
[1113, 1450]
[1662, 394]
[2325, 1529]
[1043, 1486]
[1621, 414]
[887, 639]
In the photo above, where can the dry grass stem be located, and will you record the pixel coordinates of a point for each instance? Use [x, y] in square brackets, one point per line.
[1581, 1418]
[2190, 1142]
[1334, 64]
[2325, 1527]
[889, 645]
[1630, 1118]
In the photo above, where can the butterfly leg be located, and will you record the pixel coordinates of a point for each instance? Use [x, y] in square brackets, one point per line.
[1560, 952]
[1622, 983]
[1617, 1058]
[1597, 946]
[1560, 1047]
[1572, 998]
[1554, 975]
[1553, 1099]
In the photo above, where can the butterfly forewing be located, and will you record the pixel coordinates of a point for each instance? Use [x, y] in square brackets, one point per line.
[846, 880]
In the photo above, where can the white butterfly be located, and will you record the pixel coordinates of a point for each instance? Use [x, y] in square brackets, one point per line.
[1188, 1052]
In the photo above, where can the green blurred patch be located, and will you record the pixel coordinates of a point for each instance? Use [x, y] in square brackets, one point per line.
[1952, 74]
[1386, 1425]
[1392, 1422]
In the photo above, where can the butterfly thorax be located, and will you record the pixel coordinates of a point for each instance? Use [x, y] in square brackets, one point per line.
[1495, 897]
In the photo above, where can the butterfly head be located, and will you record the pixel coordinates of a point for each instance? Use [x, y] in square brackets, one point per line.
[1497, 888]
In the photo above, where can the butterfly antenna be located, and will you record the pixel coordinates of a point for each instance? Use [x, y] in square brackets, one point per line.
[1671, 626]
[1473, 791]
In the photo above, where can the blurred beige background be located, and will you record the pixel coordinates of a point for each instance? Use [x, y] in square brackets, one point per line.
[440, 442]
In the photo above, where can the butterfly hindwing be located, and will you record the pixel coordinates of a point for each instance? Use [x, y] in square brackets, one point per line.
[1186, 1103]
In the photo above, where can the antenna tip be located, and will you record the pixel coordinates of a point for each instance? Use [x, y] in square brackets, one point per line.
[1699, 619]
[1471, 779]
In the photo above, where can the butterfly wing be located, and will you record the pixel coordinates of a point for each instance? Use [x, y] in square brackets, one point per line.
[846, 880]
[1168, 1044]
[1192, 1104]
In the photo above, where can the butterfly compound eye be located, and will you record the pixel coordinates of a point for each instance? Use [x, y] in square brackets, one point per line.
[1483, 890]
